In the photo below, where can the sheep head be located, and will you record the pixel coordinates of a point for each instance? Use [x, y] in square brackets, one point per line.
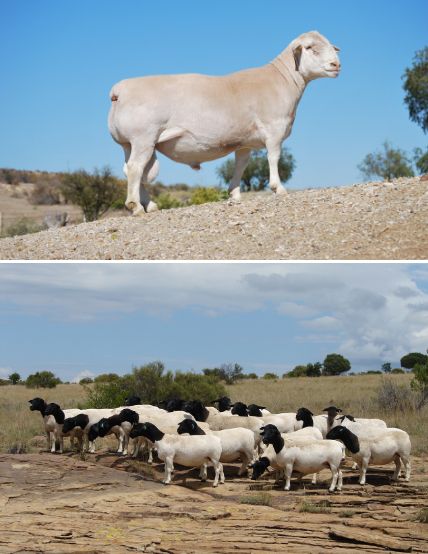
[315, 56]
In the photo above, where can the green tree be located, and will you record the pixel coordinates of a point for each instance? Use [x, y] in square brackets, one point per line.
[229, 373]
[386, 367]
[314, 370]
[387, 164]
[335, 364]
[95, 194]
[270, 375]
[421, 160]
[42, 379]
[86, 381]
[251, 376]
[410, 360]
[14, 378]
[297, 371]
[416, 88]
[419, 382]
[256, 174]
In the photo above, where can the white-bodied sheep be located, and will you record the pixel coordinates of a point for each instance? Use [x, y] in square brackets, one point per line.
[219, 422]
[237, 443]
[380, 447]
[302, 455]
[196, 118]
[187, 450]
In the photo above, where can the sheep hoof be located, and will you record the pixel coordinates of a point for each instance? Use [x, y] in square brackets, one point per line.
[151, 207]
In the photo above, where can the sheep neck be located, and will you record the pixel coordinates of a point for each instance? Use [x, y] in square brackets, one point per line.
[350, 440]
[282, 64]
[277, 443]
[307, 421]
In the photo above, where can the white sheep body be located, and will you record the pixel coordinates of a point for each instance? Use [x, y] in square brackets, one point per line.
[190, 451]
[308, 456]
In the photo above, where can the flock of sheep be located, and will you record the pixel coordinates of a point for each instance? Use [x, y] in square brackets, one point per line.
[193, 435]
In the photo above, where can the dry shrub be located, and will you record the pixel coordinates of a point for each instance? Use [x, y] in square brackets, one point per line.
[395, 397]
[45, 194]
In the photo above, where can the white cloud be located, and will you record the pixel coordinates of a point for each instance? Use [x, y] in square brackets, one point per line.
[324, 323]
[368, 312]
[82, 375]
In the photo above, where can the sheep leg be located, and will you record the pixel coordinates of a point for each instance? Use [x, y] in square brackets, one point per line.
[242, 157]
[119, 437]
[407, 467]
[288, 472]
[139, 159]
[169, 466]
[53, 442]
[136, 449]
[340, 480]
[125, 440]
[363, 470]
[314, 479]
[218, 466]
[334, 478]
[397, 463]
[48, 441]
[203, 473]
[354, 465]
[150, 173]
[274, 153]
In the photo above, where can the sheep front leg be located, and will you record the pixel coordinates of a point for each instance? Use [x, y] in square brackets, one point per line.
[288, 472]
[274, 153]
[407, 467]
[203, 473]
[334, 478]
[363, 470]
[48, 442]
[242, 157]
[169, 466]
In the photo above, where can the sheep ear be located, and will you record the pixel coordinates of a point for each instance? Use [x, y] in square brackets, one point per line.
[297, 53]
[336, 48]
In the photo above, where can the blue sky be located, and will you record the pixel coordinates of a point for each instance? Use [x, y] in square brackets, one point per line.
[84, 319]
[60, 59]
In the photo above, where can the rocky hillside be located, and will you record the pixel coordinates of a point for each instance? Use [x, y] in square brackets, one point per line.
[366, 221]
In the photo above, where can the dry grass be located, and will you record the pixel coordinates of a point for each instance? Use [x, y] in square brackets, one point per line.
[259, 499]
[354, 394]
[18, 425]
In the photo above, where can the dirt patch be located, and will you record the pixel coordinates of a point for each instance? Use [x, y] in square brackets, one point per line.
[62, 504]
[370, 221]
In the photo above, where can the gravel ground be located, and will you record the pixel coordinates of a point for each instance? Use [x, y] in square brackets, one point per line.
[370, 221]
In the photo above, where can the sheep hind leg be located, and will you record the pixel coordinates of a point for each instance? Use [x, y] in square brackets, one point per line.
[397, 462]
[242, 157]
[139, 159]
[218, 467]
[407, 467]
[149, 175]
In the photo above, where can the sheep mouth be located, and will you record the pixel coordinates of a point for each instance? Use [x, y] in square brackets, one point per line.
[333, 72]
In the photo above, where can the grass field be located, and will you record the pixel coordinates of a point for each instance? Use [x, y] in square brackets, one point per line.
[354, 394]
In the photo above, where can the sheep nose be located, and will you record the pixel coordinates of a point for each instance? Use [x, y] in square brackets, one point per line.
[335, 65]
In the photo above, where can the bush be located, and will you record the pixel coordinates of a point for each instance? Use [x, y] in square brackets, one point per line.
[397, 370]
[202, 195]
[86, 381]
[270, 376]
[394, 397]
[250, 376]
[95, 194]
[165, 201]
[42, 379]
[106, 378]
[152, 384]
[45, 194]
[23, 226]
